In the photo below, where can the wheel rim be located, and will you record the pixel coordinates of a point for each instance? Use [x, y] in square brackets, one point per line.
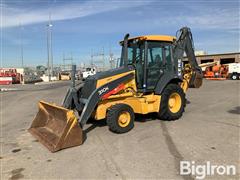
[174, 102]
[124, 119]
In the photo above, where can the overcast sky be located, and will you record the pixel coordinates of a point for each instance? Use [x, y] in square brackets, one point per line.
[82, 26]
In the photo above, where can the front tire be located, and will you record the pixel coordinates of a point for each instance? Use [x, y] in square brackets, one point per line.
[120, 118]
[172, 103]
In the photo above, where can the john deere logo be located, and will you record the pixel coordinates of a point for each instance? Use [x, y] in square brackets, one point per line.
[103, 90]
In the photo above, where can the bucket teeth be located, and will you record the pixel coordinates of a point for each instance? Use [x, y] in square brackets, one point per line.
[56, 127]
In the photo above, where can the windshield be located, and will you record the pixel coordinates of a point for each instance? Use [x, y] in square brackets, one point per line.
[135, 51]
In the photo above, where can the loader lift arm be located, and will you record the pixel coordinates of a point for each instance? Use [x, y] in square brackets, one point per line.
[192, 73]
[98, 95]
[86, 107]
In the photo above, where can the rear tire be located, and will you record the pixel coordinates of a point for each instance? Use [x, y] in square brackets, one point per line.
[120, 118]
[173, 102]
[235, 77]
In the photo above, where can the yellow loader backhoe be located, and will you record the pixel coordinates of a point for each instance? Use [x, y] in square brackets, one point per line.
[150, 79]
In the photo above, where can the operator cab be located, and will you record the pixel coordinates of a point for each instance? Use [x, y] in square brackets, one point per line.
[151, 56]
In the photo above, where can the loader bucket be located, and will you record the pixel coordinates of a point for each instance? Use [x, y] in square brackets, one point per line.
[56, 127]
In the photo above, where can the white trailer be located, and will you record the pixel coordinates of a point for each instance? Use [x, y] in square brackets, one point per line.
[88, 72]
[234, 71]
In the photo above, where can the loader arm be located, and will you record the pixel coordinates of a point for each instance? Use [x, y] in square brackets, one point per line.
[192, 73]
[86, 106]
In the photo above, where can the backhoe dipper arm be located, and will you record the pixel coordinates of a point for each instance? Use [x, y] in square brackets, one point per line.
[184, 43]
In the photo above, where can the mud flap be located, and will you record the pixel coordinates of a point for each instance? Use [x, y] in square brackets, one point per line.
[56, 127]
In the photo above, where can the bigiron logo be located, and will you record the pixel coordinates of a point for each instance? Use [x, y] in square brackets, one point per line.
[103, 90]
[200, 171]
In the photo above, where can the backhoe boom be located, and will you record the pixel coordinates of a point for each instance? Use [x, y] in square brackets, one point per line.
[192, 73]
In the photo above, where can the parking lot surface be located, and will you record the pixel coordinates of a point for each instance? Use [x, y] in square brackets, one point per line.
[208, 131]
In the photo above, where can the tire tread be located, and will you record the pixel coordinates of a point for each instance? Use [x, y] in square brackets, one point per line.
[112, 118]
[164, 113]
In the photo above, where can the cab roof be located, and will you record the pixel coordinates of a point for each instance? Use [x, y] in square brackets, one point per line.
[155, 38]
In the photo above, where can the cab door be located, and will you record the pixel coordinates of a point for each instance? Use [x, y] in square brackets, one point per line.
[159, 62]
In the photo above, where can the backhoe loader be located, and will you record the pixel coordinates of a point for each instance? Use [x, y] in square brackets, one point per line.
[150, 79]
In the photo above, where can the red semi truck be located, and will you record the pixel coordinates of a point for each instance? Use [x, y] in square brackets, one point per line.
[9, 76]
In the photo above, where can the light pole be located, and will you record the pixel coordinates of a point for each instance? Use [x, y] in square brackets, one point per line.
[21, 43]
[49, 49]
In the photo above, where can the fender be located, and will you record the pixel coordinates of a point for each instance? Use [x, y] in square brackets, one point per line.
[168, 77]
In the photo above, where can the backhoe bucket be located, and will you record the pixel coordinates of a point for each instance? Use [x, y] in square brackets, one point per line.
[56, 127]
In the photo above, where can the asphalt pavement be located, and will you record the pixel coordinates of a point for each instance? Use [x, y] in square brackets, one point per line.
[208, 131]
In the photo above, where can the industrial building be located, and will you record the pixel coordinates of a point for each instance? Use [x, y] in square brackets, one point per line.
[224, 58]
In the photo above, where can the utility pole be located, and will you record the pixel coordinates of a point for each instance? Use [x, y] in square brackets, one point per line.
[111, 59]
[103, 59]
[100, 62]
[92, 58]
[64, 62]
[21, 43]
[49, 48]
[67, 59]
[71, 59]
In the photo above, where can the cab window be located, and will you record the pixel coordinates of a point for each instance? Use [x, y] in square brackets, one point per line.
[168, 55]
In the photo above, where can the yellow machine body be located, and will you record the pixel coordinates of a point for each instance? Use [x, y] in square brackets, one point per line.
[130, 84]
[58, 128]
[99, 96]
[142, 104]
[154, 38]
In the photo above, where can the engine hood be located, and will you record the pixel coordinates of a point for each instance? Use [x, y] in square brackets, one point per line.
[109, 73]
[90, 83]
